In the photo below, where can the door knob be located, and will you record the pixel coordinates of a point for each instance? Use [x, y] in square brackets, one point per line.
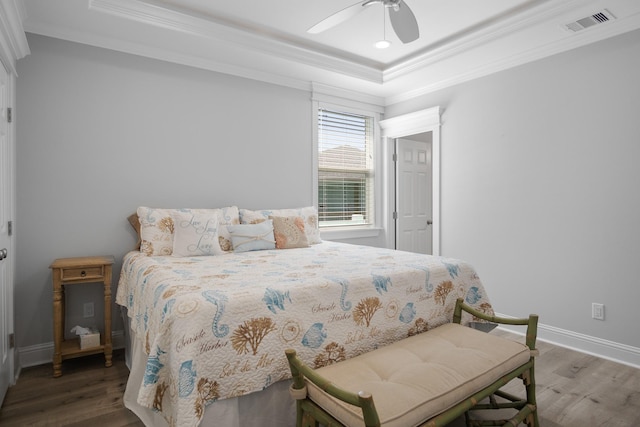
[429, 222]
[3, 253]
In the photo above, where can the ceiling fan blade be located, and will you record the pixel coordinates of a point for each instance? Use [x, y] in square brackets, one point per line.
[404, 23]
[337, 18]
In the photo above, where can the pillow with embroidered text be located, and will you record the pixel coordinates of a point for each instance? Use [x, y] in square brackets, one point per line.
[195, 234]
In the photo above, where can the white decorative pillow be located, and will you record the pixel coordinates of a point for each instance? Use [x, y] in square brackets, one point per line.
[195, 234]
[289, 232]
[156, 231]
[252, 237]
[227, 216]
[157, 227]
[309, 215]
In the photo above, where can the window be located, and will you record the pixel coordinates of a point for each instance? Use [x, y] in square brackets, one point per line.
[345, 169]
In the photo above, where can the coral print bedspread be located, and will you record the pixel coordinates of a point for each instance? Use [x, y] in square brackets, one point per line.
[216, 327]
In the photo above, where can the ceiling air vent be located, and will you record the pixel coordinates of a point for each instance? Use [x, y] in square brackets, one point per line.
[595, 19]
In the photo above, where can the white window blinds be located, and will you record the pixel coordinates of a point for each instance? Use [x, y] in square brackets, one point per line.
[345, 169]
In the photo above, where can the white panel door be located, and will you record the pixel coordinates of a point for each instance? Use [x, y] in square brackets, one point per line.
[413, 196]
[6, 294]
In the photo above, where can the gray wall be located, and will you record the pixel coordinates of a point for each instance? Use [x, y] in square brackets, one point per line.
[539, 171]
[540, 185]
[100, 133]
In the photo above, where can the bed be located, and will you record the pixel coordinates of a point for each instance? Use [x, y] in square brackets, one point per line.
[208, 333]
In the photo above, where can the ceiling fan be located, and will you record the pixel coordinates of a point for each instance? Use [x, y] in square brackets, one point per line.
[402, 18]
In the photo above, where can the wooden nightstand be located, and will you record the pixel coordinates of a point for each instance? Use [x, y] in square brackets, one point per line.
[67, 271]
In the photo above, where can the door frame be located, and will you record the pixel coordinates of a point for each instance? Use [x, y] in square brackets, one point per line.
[7, 215]
[422, 121]
[13, 46]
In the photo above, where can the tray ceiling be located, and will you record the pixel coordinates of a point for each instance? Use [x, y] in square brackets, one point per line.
[268, 41]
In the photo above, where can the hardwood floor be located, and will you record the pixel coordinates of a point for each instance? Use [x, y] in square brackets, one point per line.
[87, 394]
[573, 389]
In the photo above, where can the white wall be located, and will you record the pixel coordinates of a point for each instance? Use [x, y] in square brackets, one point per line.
[100, 133]
[540, 187]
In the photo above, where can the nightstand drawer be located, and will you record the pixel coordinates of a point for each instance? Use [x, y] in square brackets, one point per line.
[82, 273]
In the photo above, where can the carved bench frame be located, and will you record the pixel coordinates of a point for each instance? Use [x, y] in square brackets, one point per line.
[309, 414]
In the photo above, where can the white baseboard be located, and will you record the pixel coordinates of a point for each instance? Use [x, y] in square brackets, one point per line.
[599, 347]
[41, 354]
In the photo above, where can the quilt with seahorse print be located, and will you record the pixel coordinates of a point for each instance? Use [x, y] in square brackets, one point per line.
[215, 327]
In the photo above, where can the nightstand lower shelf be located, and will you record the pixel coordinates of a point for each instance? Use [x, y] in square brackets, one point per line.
[71, 348]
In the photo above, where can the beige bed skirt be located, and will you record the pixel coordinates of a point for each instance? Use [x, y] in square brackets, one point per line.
[272, 407]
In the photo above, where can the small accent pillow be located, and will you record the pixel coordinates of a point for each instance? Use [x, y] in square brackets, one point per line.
[289, 232]
[309, 215]
[195, 234]
[252, 237]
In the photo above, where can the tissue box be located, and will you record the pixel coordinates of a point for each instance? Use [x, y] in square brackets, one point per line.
[90, 340]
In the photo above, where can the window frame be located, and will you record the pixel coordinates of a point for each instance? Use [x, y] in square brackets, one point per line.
[354, 107]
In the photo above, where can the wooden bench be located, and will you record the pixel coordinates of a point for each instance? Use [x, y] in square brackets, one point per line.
[429, 379]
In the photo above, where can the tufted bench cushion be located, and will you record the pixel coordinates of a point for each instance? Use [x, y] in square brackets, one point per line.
[419, 377]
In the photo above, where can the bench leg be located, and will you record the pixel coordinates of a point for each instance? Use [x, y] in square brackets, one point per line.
[530, 385]
[309, 421]
[526, 408]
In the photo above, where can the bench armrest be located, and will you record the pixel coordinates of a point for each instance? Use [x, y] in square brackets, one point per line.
[300, 371]
[530, 322]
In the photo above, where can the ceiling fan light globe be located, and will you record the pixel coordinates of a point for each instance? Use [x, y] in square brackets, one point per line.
[382, 44]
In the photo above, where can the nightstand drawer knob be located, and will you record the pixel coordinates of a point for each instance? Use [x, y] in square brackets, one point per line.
[83, 273]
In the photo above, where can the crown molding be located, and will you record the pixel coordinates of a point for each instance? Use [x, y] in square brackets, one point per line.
[474, 39]
[148, 28]
[13, 41]
[552, 48]
[169, 55]
[151, 14]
